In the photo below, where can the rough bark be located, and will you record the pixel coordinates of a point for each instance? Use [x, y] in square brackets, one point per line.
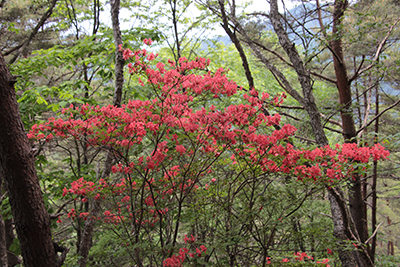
[356, 200]
[343, 225]
[303, 74]
[344, 229]
[340, 227]
[85, 245]
[3, 247]
[12, 259]
[119, 61]
[374, 181]
[342, 81]
[17, 164]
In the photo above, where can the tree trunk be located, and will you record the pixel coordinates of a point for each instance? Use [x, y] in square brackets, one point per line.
[341, 230]
[3, 249]
[303, 74]
[238, 45]
[344, 229]
[374, 180]
[17, 165]
[3, 246]
[356, 200]
[12, 259]
[85, 244]
[119, 60]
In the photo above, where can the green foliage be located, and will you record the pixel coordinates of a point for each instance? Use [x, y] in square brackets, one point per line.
[387, 261]
[239, 208]
[70, 74]
[5, 210]
[15, 247]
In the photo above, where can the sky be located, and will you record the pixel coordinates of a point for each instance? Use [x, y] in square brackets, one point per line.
[127, 22]
[257, 5]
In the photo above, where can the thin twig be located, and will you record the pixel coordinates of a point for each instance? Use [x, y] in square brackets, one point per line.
[378, 52]
[380, 114]
[373, 234]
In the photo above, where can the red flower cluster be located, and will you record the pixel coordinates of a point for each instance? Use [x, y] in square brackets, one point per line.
[174, 126]
[177, 260]
[233, 129]
[301, 256]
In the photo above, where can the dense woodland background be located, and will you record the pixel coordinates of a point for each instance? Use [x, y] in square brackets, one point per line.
[339, 65]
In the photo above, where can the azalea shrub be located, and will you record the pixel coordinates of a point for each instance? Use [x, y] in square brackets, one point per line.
[193, 181]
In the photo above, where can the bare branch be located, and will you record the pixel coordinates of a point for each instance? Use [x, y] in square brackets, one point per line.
[281, 79]
[331, 121]
[380, 114]
[56, 215]
[6, 53]
[290, 116]
[321, 24]
[377, 54]
[259, 14]
[326, 78]
[328, 119]
[24, 48]
[291, 107]
[366, 113]
[373, 234]
[237, 44]
[289, 63]
[298, 119]
[305, 139]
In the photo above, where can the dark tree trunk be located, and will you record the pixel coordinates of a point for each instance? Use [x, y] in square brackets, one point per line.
[342, 81]
[344, 226]
[85, 244]
[238, 45]
[374, 180]
[356, 200]
[3, 249]
[3, 246]
[12, 259]
[17, 165]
